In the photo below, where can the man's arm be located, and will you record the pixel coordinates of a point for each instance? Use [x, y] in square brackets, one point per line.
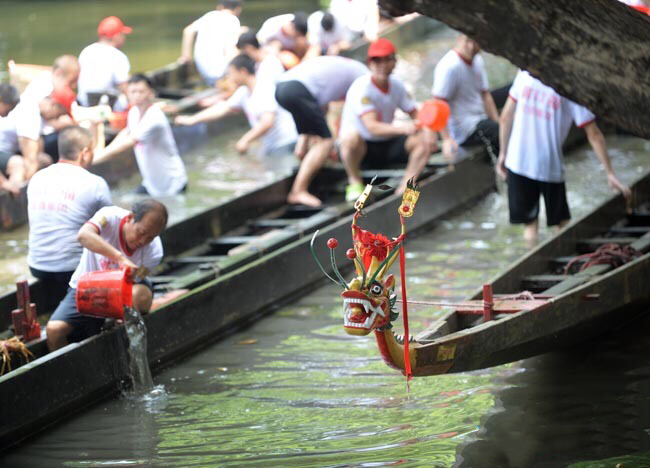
[89, 238]
[597, 142]
[122, 142]
[505, 128]
[264, 125]
[489, 106]
[189, 33]
[382, 129]
[29, 149]
[214, 112]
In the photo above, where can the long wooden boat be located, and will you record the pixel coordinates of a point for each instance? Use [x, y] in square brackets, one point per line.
[575, 285]
[268, 263]
[181, 87]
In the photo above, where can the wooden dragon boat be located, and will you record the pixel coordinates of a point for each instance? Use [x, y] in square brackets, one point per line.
[593, 273]
[213, 261]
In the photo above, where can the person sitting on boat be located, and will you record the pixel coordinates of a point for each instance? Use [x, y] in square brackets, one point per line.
[111, 239]
[255, 97]
[460, 79]
[534, 123]
[214, 36]
[306, 91]
[359, 17]
[369, 134]
[268, 65]
[104, 68]
[20, 140]
[149, 134]
[60, 199]
[327, 33]
[9, 97]
[285, 32]
[64, 75]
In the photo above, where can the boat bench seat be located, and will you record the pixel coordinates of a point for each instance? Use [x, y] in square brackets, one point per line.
[590, 245]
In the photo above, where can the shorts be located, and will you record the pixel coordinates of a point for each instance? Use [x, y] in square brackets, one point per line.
[523, 200]
[4, 159]
[51, 145]
[54, 284]
[83, 325]
[381, 154]
[304, 108]
[486, 133]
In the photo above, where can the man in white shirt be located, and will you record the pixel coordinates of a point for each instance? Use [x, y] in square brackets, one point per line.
[112, 238]
[20, 141]
[326, 33]
[255, 97]
[368, 133]
[64, 75]
[285, 32]
[60, 199]
[460, 79]
[149, 134]
[214, 36]
[305, 91]
[360, 17]
[104, 68]
[268, 66]
[534, 123]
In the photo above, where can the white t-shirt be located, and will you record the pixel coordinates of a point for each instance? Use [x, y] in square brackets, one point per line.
[318, 35]
[541, 122]
[270, 68]
[40, 87]
[60, 199]
[326, 77]
[216, 39]
[356, 15]
[102, 69]
[260, 102]
[460, 84]
[23, 121]
[162, 169]
[364, 96]
[271, 30]
[109, 221]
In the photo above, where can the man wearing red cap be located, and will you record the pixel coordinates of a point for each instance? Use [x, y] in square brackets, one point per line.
[104, 67]
[368, 133]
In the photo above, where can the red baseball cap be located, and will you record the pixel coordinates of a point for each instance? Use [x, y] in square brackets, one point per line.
[381, 48]
[112, 26]
[64, 96]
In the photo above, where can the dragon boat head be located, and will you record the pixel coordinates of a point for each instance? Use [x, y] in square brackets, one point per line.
[368, 307]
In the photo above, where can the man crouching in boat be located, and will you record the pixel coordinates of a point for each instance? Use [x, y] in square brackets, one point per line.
[112, 238]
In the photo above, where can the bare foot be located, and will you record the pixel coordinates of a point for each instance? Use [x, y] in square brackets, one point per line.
[303, 198]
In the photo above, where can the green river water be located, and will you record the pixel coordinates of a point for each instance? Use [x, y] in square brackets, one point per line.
[294, 390]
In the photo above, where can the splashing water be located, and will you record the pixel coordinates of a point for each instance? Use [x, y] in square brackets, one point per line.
[136, 331]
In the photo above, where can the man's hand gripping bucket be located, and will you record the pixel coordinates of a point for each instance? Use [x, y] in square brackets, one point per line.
[105, 294]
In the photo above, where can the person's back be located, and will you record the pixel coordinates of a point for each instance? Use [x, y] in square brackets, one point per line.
[542, 121]
[326, 77]
[217, 33]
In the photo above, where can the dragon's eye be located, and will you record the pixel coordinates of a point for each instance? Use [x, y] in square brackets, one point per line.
[376, 289]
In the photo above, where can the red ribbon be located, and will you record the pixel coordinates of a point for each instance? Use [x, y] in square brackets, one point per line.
[407, 361]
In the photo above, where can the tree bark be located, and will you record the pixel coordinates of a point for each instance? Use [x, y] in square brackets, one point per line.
[595, 52]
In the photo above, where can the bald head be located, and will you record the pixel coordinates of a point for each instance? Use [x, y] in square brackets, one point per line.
[72, 141]
[65, 71]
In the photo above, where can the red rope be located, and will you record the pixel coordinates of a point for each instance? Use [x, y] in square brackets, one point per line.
[407, 361]
[611, 254]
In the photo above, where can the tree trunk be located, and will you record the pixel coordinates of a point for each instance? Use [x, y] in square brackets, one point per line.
[595, 52]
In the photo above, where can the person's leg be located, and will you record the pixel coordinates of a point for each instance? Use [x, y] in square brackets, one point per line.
[530, 233]
[523, 204]
[555, 201]
[353, 150]
[311, 164]
[60, 325]
[142, 298]
[300, 150]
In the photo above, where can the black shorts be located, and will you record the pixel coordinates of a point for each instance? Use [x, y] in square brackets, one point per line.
[4, 159]
[304, 108]
[523, 200]
[486, 133]
[54, 284]
[380, 154]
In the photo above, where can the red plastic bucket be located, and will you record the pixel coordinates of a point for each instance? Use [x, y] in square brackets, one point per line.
[434, 114]
[104, 293]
